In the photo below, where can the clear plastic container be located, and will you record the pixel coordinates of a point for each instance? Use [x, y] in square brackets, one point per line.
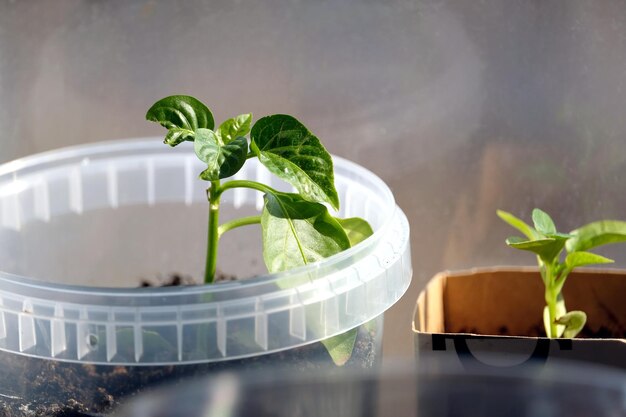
[79, 226]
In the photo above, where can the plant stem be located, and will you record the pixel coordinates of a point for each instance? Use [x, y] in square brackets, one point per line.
[244, 221]
[214, 193]
[560, 281]
[551, 299]
[213, 233]
[246, 184]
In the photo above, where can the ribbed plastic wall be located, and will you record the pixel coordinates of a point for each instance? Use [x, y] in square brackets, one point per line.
[186, 324]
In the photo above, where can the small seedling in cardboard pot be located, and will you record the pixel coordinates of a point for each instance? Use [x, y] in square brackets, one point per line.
[548, 244]
[297, 228]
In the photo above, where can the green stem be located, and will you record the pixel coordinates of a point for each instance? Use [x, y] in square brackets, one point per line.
[267, 190]
[244, 221]
[551, 301]
[560, 281]
[214, 193]
[213, 233]
[246, 184]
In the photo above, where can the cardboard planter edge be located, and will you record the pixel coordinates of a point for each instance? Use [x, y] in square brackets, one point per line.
[493, 317]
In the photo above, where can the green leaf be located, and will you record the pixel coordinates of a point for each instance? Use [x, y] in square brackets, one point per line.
[547, 249]
[519, 224]
[340, 347]
[234, 128]
[176, 136]
[182, 115]
[560, 311]
[597, 234]
[287, 148]
[576, 259]
[543, 222]
[557, 234]
[297, 232]
[356, 228]
[574, 321]
[223, 160]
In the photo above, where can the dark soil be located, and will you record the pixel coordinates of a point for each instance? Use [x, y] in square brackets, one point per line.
[169, 281]
[176, 280]
[38, 387]
[604, 332]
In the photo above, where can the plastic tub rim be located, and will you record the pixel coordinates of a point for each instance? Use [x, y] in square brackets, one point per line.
[54, 321]
[10, 169]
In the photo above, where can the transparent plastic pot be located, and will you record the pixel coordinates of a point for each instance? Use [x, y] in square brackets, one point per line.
[82, 227]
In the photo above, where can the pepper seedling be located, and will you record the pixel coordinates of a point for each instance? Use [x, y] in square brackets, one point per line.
[297, 228]
[548, 244]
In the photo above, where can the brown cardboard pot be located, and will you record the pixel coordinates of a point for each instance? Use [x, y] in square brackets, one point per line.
[493, 317]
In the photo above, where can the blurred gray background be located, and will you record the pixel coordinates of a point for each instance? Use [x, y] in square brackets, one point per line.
[462, 107]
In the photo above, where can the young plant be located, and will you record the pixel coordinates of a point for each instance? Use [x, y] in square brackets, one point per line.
[548, 245]
[297, 228]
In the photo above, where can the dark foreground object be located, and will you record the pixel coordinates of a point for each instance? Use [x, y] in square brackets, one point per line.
[396, 390]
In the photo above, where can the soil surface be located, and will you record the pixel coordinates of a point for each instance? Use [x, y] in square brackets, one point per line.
[177, 280]
[33, 387]
[603, 332]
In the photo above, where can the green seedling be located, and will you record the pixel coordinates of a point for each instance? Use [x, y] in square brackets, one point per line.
[548, 244]
[297, 228]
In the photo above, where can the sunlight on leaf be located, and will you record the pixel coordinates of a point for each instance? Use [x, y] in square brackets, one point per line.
[222, 160]
[543, 222]
[182, 116]
[287, 148]
[356, 228]
[596, 234]
[297, 232]
[519, 224]
[233, 128]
